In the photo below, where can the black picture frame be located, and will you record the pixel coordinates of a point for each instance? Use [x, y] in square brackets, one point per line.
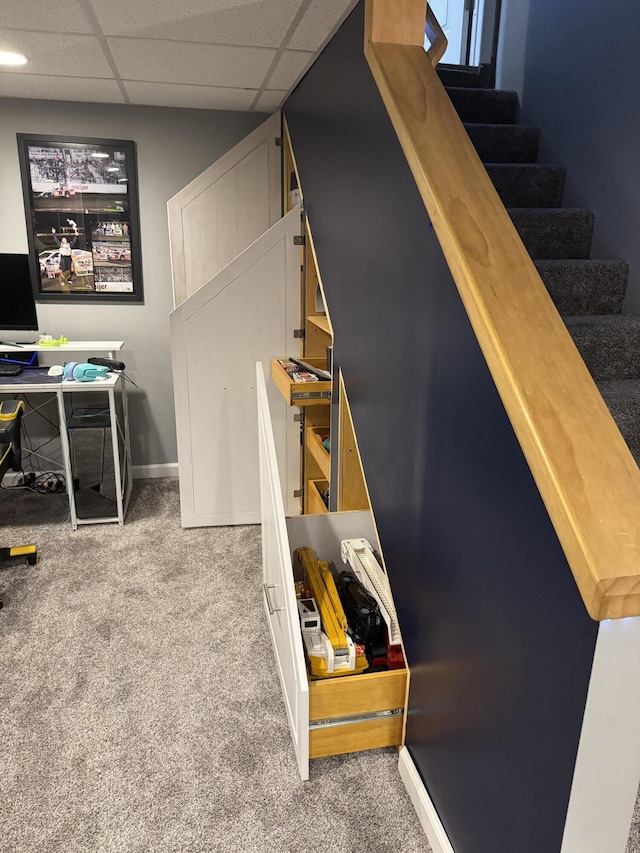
[83, 221]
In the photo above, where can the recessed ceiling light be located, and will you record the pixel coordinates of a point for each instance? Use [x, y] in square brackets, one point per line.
[100, 155]
[9, 57]
[113, 168]
[122, 180]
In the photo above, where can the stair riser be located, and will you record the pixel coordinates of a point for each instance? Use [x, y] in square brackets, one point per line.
[585, 287]
[503, 143]
[623, 400]
[528, 186]
[555, 234]
[486, 106]
[611, 350]
[482, 77]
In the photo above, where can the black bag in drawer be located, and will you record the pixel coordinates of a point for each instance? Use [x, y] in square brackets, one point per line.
[360, 608]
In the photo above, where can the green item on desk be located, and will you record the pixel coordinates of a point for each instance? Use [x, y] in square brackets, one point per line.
[55, 342]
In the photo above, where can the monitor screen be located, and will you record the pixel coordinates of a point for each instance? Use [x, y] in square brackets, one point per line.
[17, 305]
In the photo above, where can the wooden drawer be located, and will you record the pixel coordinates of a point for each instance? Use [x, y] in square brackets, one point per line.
[314, 437]
[301, 393]
[353, 712]
[326, 716]
[315, 504]
[356, 712]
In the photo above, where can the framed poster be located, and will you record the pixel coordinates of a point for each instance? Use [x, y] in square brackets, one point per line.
[83, 225]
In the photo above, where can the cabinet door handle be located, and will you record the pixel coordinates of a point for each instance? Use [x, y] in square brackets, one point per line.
[267, 597]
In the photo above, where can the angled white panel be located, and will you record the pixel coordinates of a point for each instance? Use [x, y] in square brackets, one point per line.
[226, 208]
[279, 595]
[246, 313]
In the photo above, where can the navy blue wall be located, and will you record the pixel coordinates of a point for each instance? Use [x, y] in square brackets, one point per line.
[581, 87]
[499, 643]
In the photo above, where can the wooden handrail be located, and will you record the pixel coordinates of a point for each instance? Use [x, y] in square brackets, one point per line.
[584, 471]
[436, 37]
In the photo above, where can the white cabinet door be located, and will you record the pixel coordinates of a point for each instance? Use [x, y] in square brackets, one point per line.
[225, 209]
[247, 312]
[279, 594]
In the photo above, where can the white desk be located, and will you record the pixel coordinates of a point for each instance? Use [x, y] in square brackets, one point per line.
[36, 380]
[91, 347]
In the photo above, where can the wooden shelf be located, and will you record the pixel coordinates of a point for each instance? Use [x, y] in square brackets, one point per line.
[321, 321]
[314, 498]
[314, 437]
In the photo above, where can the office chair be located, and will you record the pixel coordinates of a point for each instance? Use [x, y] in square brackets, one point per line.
[11, 459]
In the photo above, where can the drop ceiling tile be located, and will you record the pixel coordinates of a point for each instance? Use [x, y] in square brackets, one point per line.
[291, 65]
[58, 16]
[238, 22]
[270, 101]
[191, 97]
[59, 55]
[60, 88]
[186, 62]
[319, 21]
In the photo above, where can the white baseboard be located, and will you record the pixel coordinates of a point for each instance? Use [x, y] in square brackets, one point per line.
[427, 814]
[139, 472]
[152, 472]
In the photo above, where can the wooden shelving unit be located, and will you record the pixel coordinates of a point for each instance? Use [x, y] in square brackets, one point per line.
[314, 398]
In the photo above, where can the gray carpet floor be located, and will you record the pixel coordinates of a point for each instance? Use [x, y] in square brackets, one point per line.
[140, 709]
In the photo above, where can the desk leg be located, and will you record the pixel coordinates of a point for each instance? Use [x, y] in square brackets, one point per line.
[116, 453]
[66, 458]
[127, 466]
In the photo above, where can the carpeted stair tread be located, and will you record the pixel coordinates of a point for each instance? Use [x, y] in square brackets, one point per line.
[481, 77]
[528, 184]
[504, 143]
[554, 234]
[609, 344]
[487, 106]
[585, 287]
[623, 400]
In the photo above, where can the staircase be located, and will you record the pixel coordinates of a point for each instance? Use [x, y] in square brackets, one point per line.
[587, 293]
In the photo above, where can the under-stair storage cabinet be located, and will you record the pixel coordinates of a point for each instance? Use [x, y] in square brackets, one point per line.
[332, 715]
[263, 308]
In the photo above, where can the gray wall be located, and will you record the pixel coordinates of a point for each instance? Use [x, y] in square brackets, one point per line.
[514, 16]
[581, 77]
[173, 146]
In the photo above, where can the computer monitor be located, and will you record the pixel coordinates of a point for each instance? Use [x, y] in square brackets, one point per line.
[17, 304]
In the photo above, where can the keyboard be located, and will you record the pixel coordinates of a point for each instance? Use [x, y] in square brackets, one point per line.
[10, 369]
